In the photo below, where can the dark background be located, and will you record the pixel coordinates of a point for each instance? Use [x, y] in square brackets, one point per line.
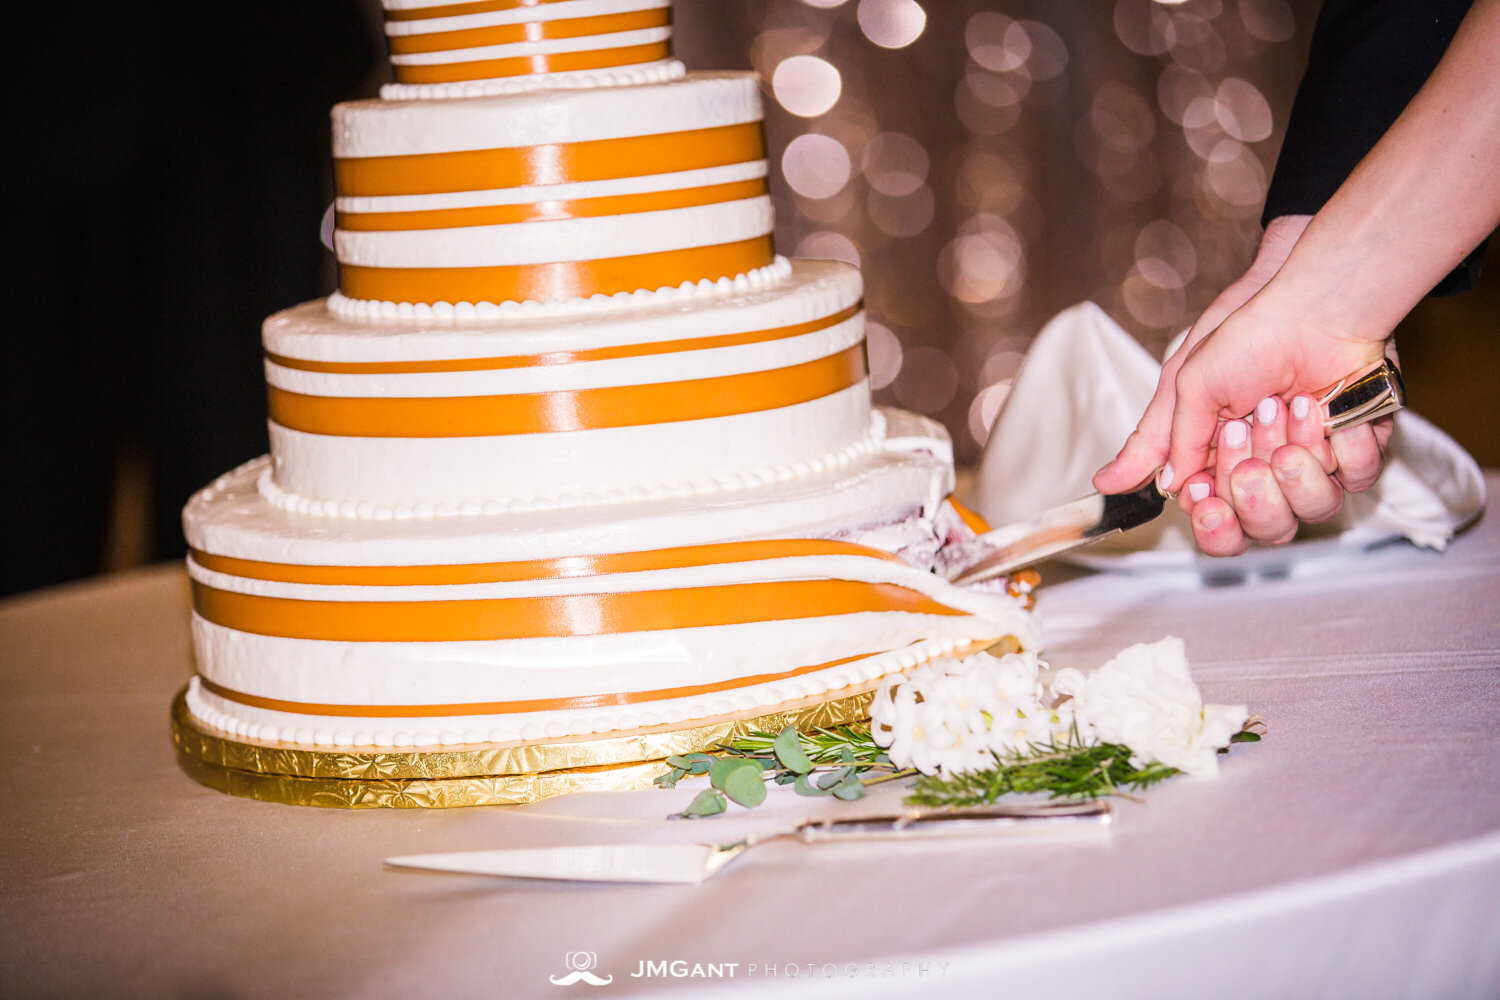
[1009, 159]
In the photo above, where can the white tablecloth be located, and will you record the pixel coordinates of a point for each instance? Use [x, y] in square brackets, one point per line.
[1355, 852]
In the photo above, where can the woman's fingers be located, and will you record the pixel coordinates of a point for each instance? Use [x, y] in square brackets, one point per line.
[1267, 428]
[1216, 530]
[1313, 495]
[1264, 514]
[1304, 428]
[1234, 448]
[1360, 458]
[1197, 489]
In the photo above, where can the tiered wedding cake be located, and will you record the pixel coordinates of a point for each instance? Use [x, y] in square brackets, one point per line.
[571, 451]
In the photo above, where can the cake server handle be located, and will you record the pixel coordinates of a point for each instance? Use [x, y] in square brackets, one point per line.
[1050, 821]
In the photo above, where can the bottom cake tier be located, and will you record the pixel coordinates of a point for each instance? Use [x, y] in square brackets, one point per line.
[578, 622]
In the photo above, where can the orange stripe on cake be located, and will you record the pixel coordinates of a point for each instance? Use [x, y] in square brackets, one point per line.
[552, 210]
[568, 410]
[567, 567]
[532, 65]
[612, 699]
[566, 357]
[975, 523]
[461, 9]
[554, 163]
[530, 31]
[557, 280]
[555, 616]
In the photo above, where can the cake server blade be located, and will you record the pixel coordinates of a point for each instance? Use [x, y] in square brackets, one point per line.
[693, 863]
[1352, 401]
[680, 863]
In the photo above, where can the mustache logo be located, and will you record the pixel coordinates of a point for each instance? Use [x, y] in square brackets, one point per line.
[587, 977]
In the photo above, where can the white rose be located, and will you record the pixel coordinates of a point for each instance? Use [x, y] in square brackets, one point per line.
[1145, 699]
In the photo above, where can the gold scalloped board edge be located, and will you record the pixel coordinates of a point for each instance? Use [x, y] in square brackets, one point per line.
[491, 774]
[222, 752]
[357, 793]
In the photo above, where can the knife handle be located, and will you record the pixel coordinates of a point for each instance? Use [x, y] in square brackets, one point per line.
[1362, 398]
[1050, 819]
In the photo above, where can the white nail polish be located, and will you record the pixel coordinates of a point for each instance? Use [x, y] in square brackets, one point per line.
[1198, 491]
[1164, 478]
[1301, 406]
[1265, 412]
[1236, 433]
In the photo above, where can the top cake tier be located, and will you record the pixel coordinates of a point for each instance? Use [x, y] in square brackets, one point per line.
[441, 49]
[465, 205]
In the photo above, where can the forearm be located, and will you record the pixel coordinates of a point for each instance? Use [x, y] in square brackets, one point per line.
[1424, 197]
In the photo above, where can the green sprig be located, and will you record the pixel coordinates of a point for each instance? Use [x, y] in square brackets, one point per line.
[1060, 771]
[845, 760]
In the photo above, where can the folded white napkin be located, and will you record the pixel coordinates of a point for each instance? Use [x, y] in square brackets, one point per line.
[1080, 392]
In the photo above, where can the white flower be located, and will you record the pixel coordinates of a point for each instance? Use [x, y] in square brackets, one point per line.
[950, 716]
[1145, 699]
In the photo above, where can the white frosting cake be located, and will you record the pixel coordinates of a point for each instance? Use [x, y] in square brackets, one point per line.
[571, 452]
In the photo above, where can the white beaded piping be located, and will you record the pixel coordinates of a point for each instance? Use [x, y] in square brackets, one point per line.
[372, 309]
[294, 503]
[625, 76]
[581, 723]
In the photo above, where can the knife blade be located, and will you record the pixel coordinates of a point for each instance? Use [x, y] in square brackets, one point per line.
[693, 863]
[1352, 401]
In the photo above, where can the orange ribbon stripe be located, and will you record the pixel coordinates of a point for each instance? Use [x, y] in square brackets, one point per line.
[460, 9]
[530, 31]
[555, 616]
[975, 523]
[565, 357]
[510, 707]
[567, 567]
[554, 163]
[551, 211]
[556, 62]
[569, 410]
[560, 280]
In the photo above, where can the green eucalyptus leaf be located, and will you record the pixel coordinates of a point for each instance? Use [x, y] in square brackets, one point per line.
[668, 780]
[804, 786]
[832, 778]
[677, 760]
[788, 747]
[707, 803]
[721, 768]
[846, 755]
[786, 777]
[849, 789]
[745, 786]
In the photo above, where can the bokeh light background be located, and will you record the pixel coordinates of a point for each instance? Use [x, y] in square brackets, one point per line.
[989, 164]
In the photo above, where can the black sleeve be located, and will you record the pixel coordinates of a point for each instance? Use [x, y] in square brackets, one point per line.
[1368, 60]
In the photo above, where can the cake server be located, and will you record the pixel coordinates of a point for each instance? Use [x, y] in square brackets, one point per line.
[692, 863]
[1353, 401]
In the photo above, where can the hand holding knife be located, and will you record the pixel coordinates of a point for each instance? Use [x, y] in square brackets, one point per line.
[1353, 401]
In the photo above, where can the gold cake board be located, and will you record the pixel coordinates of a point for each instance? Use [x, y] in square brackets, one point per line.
[490, 774]
[476, 775]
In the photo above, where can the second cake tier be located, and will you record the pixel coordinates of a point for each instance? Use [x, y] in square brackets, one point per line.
[684, 395]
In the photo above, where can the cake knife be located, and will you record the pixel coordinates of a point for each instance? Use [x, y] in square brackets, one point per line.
[1353, 401]
[693, 863]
